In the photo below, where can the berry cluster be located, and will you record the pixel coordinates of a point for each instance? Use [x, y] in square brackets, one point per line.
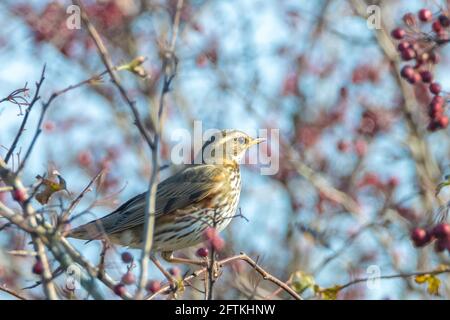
[420, 46]
[441, 233]
[128, 277]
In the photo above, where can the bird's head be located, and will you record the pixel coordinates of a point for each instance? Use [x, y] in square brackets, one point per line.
[227, 145]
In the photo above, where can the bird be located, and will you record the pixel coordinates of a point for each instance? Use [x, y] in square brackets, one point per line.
[201, 195]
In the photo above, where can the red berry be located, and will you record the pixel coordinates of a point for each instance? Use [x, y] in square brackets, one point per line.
[38, 267]
[420, 237]
[436, 26]
[440, 245]
[84, 158]
[127, 257]
[432, 126]
[443, 121]
[202, 252]
[153, 286]
[408, 54]
[435, 109]
[426, 76]
[415, 78]
[49, 126]
[119, 289]
[438, 100]
[425, 15]
[128, 278]
[210, 233]
[175, 271]
[407, 72]
[393, 182]
[217, 243]
[19, 195]
[435, 88]
[442, 230]
[403, 45]
[343, 146]
[409, 19]
[398, 33]
[444, 20]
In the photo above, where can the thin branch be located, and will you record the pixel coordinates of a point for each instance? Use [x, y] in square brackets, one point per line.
[25, 118]
[74, 203]
[12, 180]
[395, 276]
[343, 248]
[4, 288]
[45, 107]
[22, 253]
[150, 203]
[243, 257]
[107, 61]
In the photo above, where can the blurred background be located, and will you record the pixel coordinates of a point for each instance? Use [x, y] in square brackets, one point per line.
[358, 167]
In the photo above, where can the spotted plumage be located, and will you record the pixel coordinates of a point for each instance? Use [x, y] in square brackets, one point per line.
[199, 196]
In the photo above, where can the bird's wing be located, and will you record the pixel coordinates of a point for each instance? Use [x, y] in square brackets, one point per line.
[189, 186]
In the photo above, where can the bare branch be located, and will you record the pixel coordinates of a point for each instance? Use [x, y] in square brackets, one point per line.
[107, 61]
[25, 118]
[4, 288]
[243, 257]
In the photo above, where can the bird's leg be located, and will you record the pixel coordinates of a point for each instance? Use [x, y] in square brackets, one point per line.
[168, 256]
[169, 277]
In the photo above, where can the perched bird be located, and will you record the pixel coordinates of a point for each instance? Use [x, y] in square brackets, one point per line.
[197, 197]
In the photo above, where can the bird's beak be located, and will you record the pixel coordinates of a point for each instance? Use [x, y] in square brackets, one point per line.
[257, 141]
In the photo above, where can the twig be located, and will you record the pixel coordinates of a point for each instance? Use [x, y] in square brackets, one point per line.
[344, 247]
[150, 203]
[25, 118]
[13, 96]
[45, 107]
[74, 203]
[93, 271]
[211, 265]
[4, 288]
[318, 181]
[395, 276]
[53, 240]
[107, 61]
[22, 253]
[151, 196]
[242, 256]
[12, 180]
[101, 265]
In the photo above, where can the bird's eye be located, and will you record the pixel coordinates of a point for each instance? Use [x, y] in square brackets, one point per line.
[213, 138]
[241, 140]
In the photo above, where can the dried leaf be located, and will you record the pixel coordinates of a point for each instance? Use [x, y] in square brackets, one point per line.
[180, 289]
[421, 279]
[327, 293]
[302, 281]
[50, 187]
[433, 285]
[431, 280]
